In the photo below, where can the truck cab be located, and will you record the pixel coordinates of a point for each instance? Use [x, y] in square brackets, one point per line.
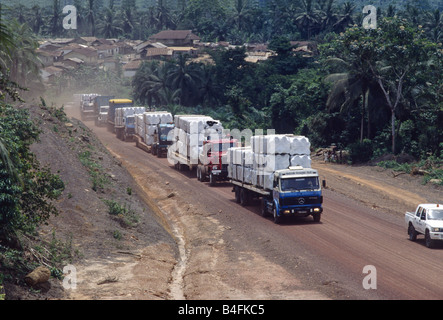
[163, 138]
[213, 165]
[102, 117]
[297, 192]
[129, 127]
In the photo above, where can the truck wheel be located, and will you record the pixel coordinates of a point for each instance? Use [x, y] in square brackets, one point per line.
[263, 208]
[277, 219]
[428, 241]
[212, 180]
[237, 194]
[244, 197]
[159, 154]
[317, 217]
[412, 233]
[202, 175]
[199, 174]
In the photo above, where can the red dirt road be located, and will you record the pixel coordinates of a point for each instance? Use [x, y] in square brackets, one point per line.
[325, 259]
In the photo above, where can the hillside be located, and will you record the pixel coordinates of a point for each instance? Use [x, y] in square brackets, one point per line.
[104, 244]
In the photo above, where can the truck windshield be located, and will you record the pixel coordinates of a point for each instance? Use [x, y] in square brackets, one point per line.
[435, 214]
[305, 183]
[164, 134]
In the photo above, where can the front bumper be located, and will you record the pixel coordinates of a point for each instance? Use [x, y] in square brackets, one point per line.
[300, 211]
[221, 174]
[436, 235]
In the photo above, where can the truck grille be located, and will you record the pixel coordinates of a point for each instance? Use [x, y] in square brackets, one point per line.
[295, 201]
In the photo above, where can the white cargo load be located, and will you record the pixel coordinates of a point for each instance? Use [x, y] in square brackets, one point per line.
[157, 117]
[151, 120]
[280, 144]
[191, 131]
[256, 164]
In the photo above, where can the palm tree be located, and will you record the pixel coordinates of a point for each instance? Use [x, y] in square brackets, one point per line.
[187, 78]
[307, 21]
[208, 90]
[241, 14]
[151, 83]
[348, 87]
[55, 21]
[434, 25]
[90, 16]
[37, 19]
[346, 17]
[162, 16]
[25, 62]
[329, 16]
[127, 20]
[108, 27]
[5, 35]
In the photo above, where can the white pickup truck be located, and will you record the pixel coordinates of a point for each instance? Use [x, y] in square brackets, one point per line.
[428, 220]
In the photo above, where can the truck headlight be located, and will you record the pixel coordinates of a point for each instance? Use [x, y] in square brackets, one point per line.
[316, 209]
[437, 229]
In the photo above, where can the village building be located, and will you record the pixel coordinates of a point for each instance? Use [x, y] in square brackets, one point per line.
[130, 69]
[176, 38]
[88, 55]
[49, 74]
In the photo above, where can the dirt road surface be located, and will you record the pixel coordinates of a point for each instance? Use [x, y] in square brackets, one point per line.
[231, 252]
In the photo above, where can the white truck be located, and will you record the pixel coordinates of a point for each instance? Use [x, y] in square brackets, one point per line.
[427, 220]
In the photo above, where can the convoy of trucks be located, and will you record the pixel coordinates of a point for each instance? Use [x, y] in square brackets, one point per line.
[274, 168]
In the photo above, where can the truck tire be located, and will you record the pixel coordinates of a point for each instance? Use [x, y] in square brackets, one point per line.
[202, 175]
[199, 174]
[263, 208]
[412, 233]
[317, 217]
[237, 194]
[244, 197]
[428, 241]
[212, 180]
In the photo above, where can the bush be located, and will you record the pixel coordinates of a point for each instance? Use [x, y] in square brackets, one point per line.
[361, 151]
[26, 190]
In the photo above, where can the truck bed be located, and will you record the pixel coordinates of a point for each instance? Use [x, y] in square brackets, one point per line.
[251, 187]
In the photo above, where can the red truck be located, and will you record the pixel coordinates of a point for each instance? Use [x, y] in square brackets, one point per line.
[213, 162]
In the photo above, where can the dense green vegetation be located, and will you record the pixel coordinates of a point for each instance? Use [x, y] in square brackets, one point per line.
[27, 190]
[375, 91]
